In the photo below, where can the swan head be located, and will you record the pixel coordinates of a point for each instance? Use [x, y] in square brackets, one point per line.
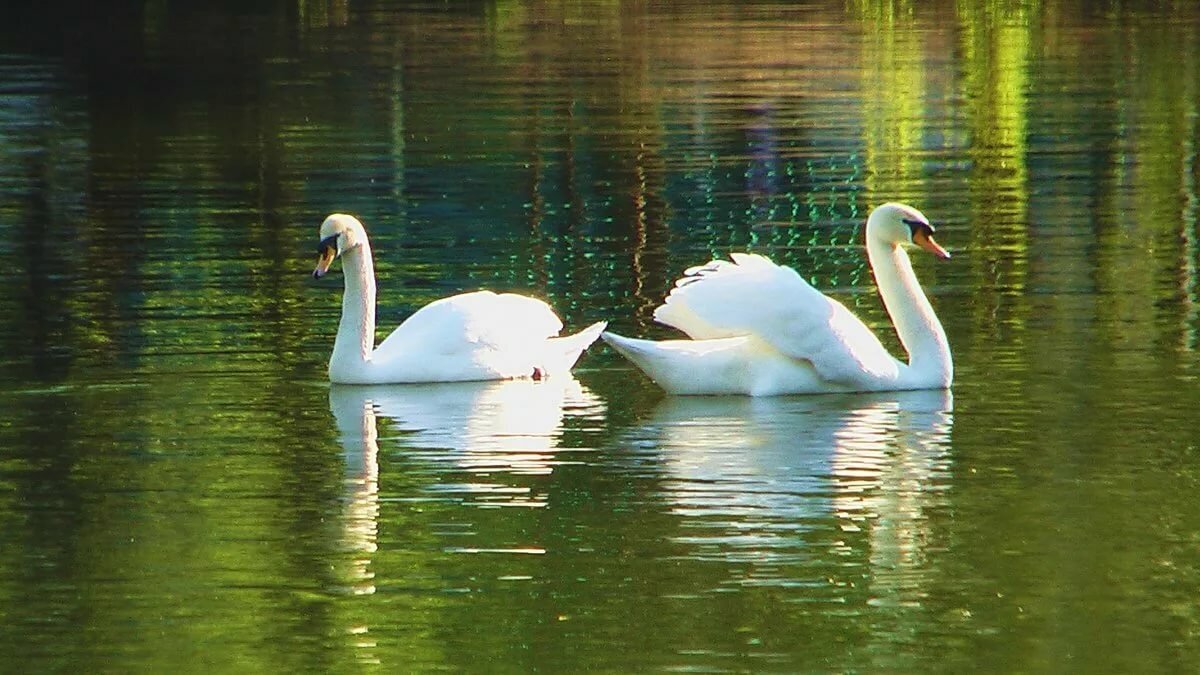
[339, 233]
[897, 224]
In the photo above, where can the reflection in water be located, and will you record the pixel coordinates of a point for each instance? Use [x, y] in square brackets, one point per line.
[478, 427]
[481, 428]
[892, 458]
[753, 477]
[359, 437]
[484, 429]
[355, 417]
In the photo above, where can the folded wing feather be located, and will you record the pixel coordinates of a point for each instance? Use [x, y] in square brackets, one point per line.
[753, 296]
[473, 320]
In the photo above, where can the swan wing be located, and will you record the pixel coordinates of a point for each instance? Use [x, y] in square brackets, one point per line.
[750, 295]
[474, 320]
[476, 335]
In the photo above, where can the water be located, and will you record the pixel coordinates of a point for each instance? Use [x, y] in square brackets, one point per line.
[182, 490]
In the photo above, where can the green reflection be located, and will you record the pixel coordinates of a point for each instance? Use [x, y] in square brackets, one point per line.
[894, 95]
[997, 42]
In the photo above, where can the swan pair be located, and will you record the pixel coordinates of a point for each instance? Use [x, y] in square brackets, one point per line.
[755, 328]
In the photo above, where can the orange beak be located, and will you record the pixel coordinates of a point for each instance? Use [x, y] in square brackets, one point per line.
[925, 240]
[324, 260]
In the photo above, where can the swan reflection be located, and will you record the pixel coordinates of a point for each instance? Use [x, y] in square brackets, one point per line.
[487, 429]
[480, 427]
[483, 429]
[355, 419]
[753, 477]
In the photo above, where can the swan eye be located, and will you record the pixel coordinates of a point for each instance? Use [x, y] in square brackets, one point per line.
[918, 225]
[328, 243]
[326, 251]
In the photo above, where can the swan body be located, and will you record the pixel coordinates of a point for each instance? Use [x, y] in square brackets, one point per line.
[472, 336]
[759, 329]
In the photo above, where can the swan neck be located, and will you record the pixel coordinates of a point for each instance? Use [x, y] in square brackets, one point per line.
[356, 332]
[916, 323]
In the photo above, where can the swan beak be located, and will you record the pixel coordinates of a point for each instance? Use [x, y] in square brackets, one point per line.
[924, 239]
[326, 252]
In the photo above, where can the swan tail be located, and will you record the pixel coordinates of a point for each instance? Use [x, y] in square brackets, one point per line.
[563, 352]
[742, 365]
[718, 366]
[641, 352]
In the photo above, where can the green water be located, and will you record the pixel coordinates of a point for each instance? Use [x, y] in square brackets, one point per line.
[182, 491]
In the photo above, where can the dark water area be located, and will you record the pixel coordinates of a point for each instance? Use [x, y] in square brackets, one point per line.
[182, 489]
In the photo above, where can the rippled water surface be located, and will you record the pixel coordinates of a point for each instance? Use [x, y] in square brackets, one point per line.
[181, 490]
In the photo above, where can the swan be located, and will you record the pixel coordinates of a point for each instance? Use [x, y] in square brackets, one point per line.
[471, 336]
[759, 329]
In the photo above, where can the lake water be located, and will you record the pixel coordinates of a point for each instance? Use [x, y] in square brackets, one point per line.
[181, 490]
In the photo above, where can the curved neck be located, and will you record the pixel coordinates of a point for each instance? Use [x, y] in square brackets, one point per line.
[918, 327]
[356, 332]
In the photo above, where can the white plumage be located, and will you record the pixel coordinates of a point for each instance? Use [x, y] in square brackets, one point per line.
[472, 336]
[758, 328]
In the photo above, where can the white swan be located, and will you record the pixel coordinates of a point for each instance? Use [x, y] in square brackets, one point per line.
[472, 336]
[759, 329]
